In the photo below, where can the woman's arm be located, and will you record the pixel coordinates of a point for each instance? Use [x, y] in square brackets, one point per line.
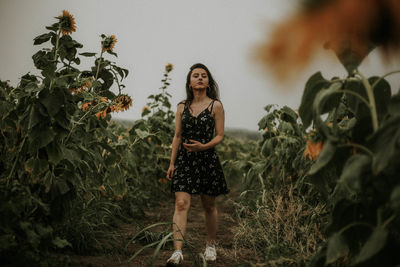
[176, 140]
[219, 118]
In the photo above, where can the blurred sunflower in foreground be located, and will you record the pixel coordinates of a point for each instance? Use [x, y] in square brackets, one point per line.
[351, 28]
[67, 23]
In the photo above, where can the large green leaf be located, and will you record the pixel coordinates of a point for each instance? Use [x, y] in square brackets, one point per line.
[395, 198]
[394, 105]
[40, 136]
[374, 244]
[43, 59]
[288, 114]
[34, 116]
[42, 38]
[87, 54]
[268, 147]
[337, 248]
[353, 101]
[71, 155]
[52, 101]
[54, 152]
[385, 144]
[5, 108]
[382, 94]
[352, 173]
[314, 84]
[325, 100]
[36, 167]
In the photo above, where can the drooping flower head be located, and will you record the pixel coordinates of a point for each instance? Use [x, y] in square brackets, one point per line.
[108, 43]
[124, 101]
[169, 67]
[81, 86]
[351, 28]
[67, 23]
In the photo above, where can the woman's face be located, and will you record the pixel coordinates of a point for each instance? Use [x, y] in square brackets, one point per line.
[199, 79]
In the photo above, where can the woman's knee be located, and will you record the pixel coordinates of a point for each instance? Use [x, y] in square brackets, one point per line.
[181, 204]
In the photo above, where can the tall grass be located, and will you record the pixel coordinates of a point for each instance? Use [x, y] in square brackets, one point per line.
[281, 227]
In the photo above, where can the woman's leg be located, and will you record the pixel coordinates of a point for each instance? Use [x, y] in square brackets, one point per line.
[182, 204]
[211, 213]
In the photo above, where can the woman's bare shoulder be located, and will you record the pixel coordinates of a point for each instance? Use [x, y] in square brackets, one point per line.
[218, 104]
[181, 106]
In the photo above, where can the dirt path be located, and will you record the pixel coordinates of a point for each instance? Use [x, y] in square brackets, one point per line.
[227, 255]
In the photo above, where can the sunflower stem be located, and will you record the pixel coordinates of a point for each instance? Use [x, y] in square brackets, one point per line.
[116, 79]
[371, 98]
[99, 63]
[57, 43]
[56, 53]
[78, 122]
[16, 160]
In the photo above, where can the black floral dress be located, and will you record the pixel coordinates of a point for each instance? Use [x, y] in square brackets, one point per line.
[198, 172]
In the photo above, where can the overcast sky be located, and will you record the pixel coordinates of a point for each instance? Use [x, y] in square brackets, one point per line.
[151, 33]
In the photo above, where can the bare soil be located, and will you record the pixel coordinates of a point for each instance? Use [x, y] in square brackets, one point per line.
[227, 254]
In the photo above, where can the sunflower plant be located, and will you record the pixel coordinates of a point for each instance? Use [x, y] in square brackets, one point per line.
[357, 120]
[155, 131]
[57, 149]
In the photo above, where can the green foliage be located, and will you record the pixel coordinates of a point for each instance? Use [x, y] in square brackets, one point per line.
[68, 174]
[279, 215]
[281, 148]
[361, 152]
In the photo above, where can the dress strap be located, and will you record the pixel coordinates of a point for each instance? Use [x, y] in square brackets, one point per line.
[212, 105]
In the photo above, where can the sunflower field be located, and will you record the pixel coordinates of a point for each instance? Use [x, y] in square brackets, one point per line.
[318, 187]
[68, 173]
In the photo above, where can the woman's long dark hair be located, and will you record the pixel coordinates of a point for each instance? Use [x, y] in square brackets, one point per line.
[212, 89]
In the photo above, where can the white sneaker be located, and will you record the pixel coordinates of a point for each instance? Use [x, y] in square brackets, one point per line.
[175, 259]
[210, 254]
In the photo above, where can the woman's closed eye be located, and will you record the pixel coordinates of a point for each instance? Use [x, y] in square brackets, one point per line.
[202, 76]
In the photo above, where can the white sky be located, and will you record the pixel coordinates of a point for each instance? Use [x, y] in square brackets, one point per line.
[151, 33]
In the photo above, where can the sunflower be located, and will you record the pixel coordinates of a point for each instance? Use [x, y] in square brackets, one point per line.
[82, 87]
[169, 67]
[123, 103]
[313, 150]
[351, 28]
[67, 23]
[108, 43]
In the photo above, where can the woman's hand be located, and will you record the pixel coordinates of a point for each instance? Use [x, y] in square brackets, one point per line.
[194, 146]
[170, 172]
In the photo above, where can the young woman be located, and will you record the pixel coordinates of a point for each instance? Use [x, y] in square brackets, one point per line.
[194, 166]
